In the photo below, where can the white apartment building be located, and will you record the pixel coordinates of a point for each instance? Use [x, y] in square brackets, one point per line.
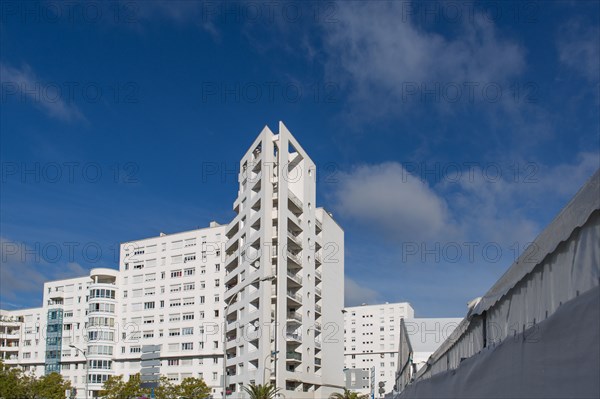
[371, 337]
[171, 293]
[278, 268]
[284, 276]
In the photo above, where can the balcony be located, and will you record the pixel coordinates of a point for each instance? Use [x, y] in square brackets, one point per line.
[294, 239]
[294, 316]
[318, 276]
[318, 226]
[295, 220]
[293, 356]
[294, 296]
[318, 309]
[318, 259]
[295, 257]
[294, 277]
[297, 206]
[293, 337]
[317, 361]
[318, 344]
[318, 292]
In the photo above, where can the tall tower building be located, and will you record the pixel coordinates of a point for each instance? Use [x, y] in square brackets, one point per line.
[284, 275]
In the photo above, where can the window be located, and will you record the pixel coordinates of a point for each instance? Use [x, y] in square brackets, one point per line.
[148, 334]
[188, 316]
[202, 299]
[188, 301]
[217, 282]
[176, 273]
[174, 303]
[187, 331]
[174, 317]
[148, 305]
[189, 258]
[190, 271]
[189, 286]
[174, 332]
[175, 288]
[187, 346]
[173, 362]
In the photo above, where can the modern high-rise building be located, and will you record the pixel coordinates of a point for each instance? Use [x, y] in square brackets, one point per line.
[273, 279]
[284, 275]
[372, 334]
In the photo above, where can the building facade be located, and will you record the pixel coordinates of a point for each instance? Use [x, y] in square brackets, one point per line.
[267, 289]
[284, 275]
[371, 337]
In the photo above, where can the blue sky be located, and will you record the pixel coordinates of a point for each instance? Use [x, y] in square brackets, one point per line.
[447, 135]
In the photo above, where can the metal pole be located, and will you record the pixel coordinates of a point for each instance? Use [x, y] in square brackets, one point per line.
[87, 368]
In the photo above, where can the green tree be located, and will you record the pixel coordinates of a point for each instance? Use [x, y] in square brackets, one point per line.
[113, 387]
[193, 388]
[12, 382]
[51, 386]
[261, 391]
[347, 395]
[166, 389]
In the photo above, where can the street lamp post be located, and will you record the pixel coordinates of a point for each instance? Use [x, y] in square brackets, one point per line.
[270, 355]
[87, 368]
[229, 302]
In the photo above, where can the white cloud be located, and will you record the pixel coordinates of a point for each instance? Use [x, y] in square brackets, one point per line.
[388, 198]
[478, 206]
[355, 294]
[24, 270]
[377, 52]
[579, 49]
[24, 83]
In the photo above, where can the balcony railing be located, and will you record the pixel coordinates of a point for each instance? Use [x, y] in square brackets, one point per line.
[295, 296]
[294, 277]
[318, 258]
[295, 200]
[318, 308]
[295, 257]
[294, 316]
[293, 356]
[318, 344]
[294, 336]
[318, 291]
[296, 240]
[319, 275]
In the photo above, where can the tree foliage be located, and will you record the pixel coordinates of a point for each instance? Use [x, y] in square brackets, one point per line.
[15, 384]
[190, 388]
[261, 391]
[347, 394]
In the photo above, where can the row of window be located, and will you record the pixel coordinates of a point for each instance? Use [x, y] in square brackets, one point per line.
[102, 293]
[102, 307]
[100, 364]
[97, 378]
[101, 336]
[100, 350]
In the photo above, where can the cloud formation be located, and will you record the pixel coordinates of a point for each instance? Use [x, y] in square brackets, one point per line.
[26, 86]
[479, 204]
[579, 49]
[377, 51]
